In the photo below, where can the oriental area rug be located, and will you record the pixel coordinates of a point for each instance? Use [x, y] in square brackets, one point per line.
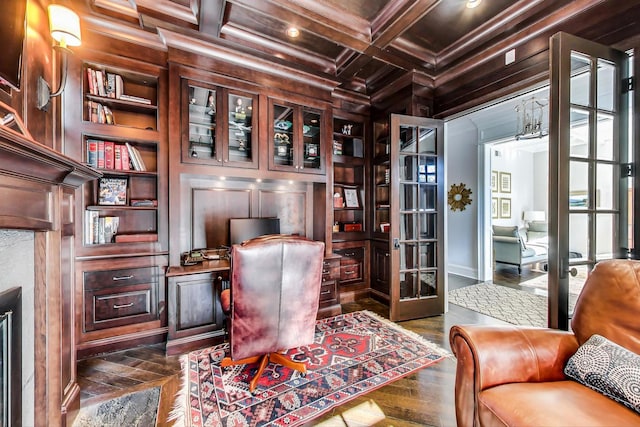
[352, 354]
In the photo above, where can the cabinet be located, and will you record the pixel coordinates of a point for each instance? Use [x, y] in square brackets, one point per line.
[296, 138]
[121, 302]
[349, 175]
[121, 250]
[381, 173]
[354, 272]
[329, 298]
[218, 125]
[196, 319]
[380, 270]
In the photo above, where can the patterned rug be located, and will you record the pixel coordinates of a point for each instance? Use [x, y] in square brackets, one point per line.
[504, 303]
[137, 409]
[353, 354]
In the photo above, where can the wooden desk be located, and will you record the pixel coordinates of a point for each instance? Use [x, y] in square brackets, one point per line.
[195, 316]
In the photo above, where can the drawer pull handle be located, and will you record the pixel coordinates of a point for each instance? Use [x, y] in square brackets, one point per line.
[116, 278]
[349, 271]
[116, 306]
[328, 291]
[350, 254]
[325, 271]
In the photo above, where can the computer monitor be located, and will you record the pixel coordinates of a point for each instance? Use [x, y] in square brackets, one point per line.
[241, 229]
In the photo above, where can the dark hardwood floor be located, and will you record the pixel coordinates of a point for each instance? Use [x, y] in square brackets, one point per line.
[424, 398]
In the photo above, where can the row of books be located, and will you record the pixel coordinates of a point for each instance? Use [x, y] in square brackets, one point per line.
[99, 229]
[110, 155]
[110, 85]
[99, 113]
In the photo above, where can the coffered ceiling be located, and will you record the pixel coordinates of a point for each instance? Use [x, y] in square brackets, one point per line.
[362, 45]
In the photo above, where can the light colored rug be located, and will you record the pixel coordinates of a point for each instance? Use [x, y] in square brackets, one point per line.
[137, 409]
[541, 282]
[508, 304]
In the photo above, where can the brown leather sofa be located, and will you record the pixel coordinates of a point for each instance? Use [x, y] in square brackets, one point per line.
[514, 376]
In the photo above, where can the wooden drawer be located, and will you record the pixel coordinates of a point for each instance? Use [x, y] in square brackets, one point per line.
[350, 254]
[350, 272]
[117, 306]
[120, 277]
[328, 290]
[331, 269]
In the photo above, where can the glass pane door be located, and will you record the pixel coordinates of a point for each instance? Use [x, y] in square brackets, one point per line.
[418, 274]
[202, 124]
[240, 129]
[588, 147]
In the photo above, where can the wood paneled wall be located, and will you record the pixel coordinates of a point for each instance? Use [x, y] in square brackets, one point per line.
[204, 217]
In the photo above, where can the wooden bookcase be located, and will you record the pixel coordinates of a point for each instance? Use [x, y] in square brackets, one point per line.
[120, 286]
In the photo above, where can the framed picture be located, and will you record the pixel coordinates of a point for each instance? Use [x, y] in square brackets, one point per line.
[112, 191]
[494, 181]
[505, 182]
[505, 207]
[351, 198]
[494, 208]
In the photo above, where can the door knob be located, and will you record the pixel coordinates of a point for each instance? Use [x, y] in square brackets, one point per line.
[573, 271]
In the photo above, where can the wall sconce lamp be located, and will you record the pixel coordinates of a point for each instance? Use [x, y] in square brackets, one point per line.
[64, 26]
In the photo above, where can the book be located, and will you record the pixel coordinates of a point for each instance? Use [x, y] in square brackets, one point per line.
[92, 89]
[111, 85]
[117, 157]
[136, 158]
[109, 156]
[89, 220]
[100, 81]
[108, 115]
[100, 154]
[124, 153]
[144, 202]
[112, 191]
[92, 153]
[137, 99]
[119, 86]
[140, 237]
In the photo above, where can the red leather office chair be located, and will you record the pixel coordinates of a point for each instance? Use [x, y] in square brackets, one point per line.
[272, 300]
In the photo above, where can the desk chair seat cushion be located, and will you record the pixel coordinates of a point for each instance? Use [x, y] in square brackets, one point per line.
[275, 289]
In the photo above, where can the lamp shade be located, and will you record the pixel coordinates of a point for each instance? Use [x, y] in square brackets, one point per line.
[533, 216]
[64, 25]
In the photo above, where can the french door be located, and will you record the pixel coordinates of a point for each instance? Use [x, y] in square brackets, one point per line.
[417, 206]
[589, 175]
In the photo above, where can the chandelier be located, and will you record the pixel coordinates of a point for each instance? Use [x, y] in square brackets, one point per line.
[531, 113]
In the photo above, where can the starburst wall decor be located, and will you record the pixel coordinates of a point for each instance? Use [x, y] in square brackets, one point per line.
[459, 197]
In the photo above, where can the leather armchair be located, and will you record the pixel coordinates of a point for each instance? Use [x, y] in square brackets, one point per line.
[273, 299]
[510, 375]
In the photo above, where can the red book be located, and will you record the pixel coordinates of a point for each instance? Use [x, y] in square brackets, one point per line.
[117, 158]
[124, 153]
[109, 159]
[100, 154]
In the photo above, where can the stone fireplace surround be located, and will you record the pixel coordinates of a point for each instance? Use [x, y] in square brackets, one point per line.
[37, 189]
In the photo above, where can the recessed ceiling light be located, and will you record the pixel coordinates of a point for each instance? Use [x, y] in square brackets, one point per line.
[293, 32]
[473, 3]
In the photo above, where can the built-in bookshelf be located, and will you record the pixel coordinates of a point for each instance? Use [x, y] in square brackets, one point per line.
[349, 195]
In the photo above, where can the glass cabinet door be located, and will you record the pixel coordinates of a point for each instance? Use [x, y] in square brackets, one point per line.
[283, 137]
[296, 138]
[417, 284]
[241, 148]
[312, 145]
[201, 129]
[220, 127]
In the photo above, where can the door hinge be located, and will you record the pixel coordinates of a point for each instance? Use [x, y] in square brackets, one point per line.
[628, 170]
[628, 84]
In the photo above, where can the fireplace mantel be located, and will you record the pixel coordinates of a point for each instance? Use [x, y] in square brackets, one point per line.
[38, 188]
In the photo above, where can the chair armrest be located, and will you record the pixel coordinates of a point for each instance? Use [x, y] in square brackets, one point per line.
[488, 356]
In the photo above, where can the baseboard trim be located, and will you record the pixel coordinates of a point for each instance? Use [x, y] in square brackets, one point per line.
[462, 270]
